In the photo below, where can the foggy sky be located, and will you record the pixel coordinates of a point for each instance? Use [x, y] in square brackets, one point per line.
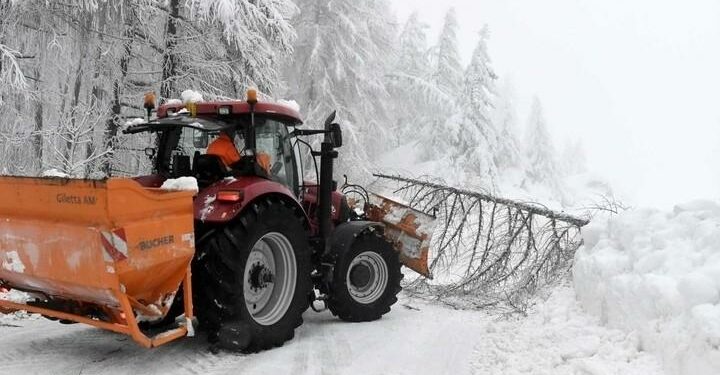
[636, 81]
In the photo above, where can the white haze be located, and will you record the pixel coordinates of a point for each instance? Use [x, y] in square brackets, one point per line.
[636, 81]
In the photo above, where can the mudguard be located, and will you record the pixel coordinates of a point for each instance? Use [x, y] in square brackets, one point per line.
[209, 209]
[344, 234]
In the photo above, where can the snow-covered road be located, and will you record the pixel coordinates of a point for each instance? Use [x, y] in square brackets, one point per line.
[415, 338]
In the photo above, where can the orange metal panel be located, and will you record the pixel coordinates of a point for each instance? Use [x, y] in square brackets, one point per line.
[98, 243]
[409, 230]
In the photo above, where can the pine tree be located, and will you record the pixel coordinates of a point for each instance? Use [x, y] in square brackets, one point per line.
[448, 69]
[339, 63]
[539, 150]
[410, 85]
[479, 141]
[442, 134]
[573, 158]
[505, 119]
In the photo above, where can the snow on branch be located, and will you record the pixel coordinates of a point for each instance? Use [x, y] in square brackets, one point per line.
[11, 75]
[488, 250]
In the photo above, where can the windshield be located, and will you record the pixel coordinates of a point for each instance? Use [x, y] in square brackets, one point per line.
[184, 143]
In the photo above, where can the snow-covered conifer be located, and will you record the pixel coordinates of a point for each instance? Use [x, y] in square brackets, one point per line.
[539, 150]
[448, 69]
[479, 141]
[573, 158]
[505, 120]
[339, 63]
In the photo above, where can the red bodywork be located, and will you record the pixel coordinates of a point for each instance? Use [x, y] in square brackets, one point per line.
[310, 204]
[272, 110]
[209, 209]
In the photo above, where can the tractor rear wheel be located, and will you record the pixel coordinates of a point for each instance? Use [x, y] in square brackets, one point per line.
[366, 279]
[253, 278]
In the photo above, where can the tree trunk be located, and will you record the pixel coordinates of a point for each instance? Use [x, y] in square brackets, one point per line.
[113, 123]
[97, 92]
[170, 59]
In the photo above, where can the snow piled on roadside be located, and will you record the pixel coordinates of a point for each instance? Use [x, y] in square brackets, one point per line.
[558, 338]
[181, 183]
[658, 274]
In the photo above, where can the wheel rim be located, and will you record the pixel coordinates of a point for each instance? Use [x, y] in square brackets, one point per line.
[269, 278]
[367, 277]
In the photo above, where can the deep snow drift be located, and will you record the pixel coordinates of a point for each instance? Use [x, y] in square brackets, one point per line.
[658, 274]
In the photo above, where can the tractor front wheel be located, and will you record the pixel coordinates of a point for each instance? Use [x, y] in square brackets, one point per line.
[366, 279]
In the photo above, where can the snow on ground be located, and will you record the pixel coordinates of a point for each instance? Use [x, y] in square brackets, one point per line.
[658, 274]
[415, 338]
[557, 338]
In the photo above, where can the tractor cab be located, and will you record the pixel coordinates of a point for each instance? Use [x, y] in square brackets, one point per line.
[259, 134]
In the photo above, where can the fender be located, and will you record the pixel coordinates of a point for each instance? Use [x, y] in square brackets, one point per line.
[344, 234]
[208, 209]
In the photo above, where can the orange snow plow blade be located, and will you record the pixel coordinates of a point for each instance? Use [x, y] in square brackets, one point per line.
[408, 229]
[106, 253]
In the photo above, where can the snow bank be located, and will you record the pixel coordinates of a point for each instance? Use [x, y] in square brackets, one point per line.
[181, 183]
[658, 274]
[190, 96]
[558, 338]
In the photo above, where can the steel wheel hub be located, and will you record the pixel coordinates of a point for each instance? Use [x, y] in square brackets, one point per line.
[367, 277]
[269, 278]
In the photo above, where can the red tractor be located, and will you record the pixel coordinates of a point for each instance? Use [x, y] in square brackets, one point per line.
[268, 244]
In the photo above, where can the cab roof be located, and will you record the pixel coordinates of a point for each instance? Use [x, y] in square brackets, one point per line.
[275, 111]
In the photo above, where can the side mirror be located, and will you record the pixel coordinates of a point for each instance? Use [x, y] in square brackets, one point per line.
[329, 120]
[336, 135]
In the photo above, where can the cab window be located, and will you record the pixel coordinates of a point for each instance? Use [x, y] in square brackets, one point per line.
[272, 139]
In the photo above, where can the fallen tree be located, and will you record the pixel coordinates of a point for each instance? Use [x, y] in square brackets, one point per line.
[488, 250]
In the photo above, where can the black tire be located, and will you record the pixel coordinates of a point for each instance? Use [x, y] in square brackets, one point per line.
[342, 303]
[218, 278]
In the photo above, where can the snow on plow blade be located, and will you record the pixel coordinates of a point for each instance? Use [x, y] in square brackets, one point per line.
[408, 229]
[106, 253]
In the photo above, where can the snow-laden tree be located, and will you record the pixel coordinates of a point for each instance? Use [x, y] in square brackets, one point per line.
[442, 134]
[414, 94]
[479, 142]
[573, 158]
[505, 119]
[340, 61]
[539, 150]
[448, 72]
[86, 65]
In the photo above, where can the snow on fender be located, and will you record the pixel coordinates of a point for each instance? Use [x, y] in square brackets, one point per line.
[181, 184]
